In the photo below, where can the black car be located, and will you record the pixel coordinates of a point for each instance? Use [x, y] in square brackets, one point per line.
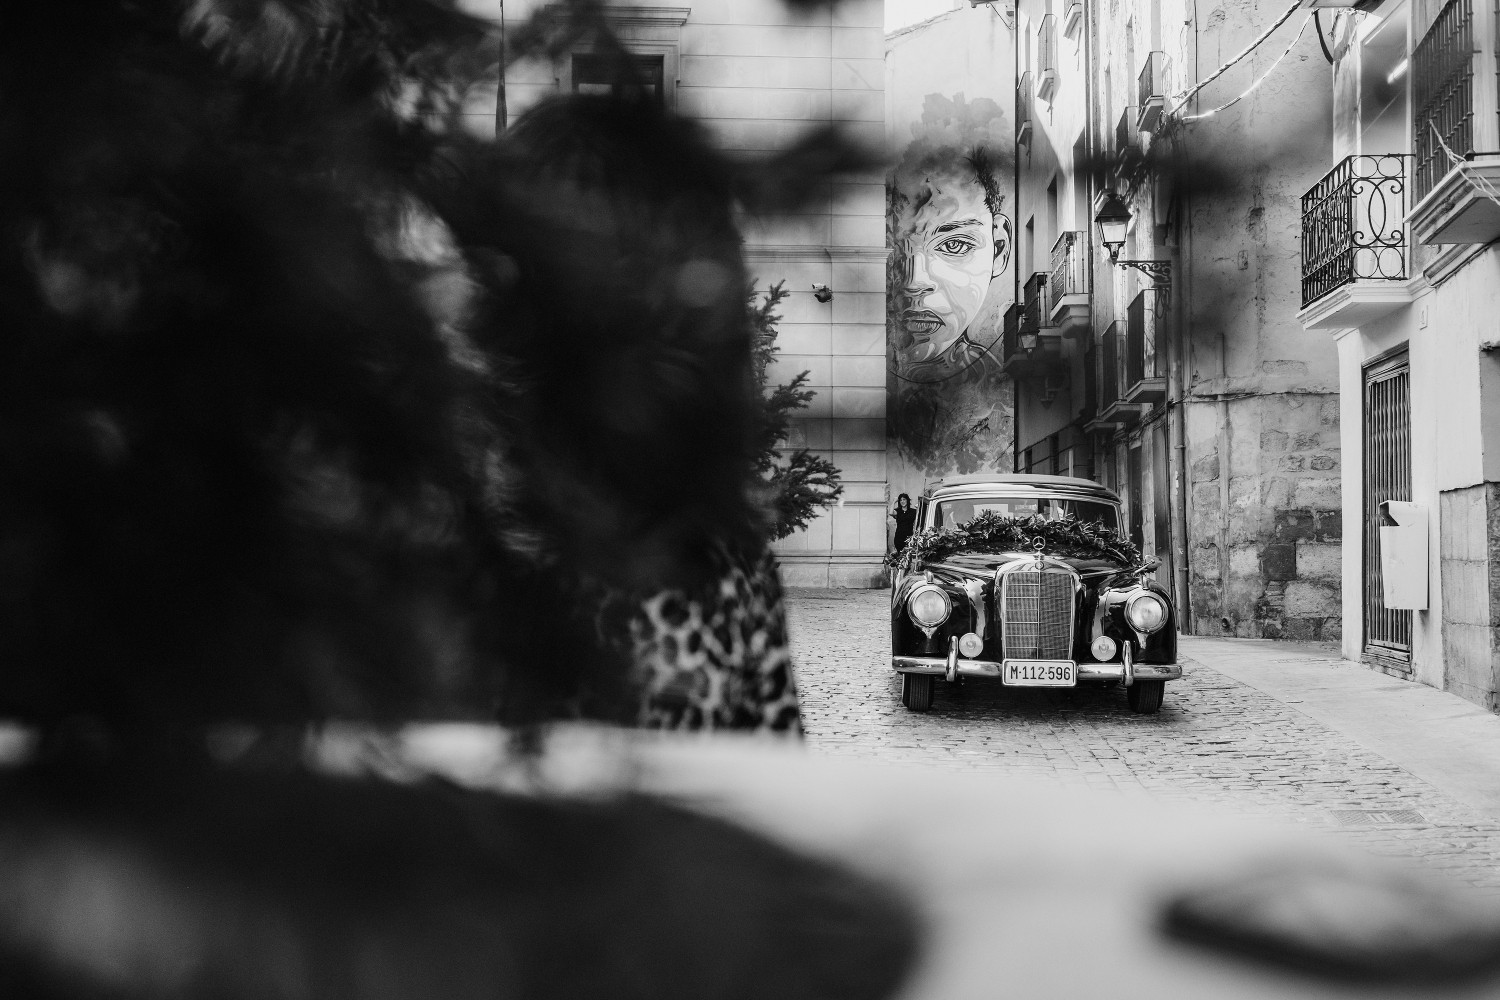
[1027, 579]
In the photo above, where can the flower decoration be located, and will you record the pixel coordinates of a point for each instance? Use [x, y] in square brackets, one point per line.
[996, 533]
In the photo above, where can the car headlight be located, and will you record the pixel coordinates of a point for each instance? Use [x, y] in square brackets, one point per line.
[1146, 612]
[929, 606]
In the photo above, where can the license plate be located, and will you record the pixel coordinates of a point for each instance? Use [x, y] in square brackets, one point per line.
[1040, 673]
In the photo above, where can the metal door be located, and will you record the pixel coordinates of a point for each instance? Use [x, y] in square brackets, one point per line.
[1387, 457]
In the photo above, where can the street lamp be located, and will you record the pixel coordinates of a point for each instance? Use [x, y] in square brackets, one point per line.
[1113, 220]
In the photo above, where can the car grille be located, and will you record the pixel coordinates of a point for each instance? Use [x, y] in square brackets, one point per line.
[1036, 614]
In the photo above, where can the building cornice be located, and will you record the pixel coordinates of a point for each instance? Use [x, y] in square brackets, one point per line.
[777, 252]
[669, 17]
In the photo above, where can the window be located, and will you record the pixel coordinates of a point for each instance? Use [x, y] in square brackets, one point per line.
[1442, 94]
[953, 513]
[638, 75]
[652, 36]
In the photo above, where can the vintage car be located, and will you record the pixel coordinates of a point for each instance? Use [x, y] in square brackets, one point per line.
[1028, 580]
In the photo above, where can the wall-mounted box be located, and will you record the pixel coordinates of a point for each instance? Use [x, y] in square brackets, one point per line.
[1403, 554]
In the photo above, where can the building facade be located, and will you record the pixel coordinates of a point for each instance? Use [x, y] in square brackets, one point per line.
[759, 76]
[1171, 365]
[951, 230]
[1399, 273]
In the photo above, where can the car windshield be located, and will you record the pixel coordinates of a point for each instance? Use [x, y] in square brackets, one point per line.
[957, 512]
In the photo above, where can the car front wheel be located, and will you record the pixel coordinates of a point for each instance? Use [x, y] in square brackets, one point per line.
[1145, 696]
[916, 691]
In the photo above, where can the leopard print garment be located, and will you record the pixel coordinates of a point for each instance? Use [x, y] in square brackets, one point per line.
[713, 658]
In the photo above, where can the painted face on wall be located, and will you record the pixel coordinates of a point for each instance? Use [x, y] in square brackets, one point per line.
[949, 245]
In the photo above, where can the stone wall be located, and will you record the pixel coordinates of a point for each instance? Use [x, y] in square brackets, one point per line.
[1266, 543]
[1469, 564]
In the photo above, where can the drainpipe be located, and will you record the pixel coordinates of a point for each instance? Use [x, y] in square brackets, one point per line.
[1179, 373]
[1177, 379]
[1015, 237]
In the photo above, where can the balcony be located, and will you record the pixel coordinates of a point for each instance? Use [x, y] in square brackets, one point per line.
[1046, 52]
[1068, 288]
[1113, 412]
[1024, 112]
[1073, 18]
[1151, 91]
[1452, 192]
[1058, 454]
[1127, 142]
[1355, 258]
[1145, 361]
[1029, 348]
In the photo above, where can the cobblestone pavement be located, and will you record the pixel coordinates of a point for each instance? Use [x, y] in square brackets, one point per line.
[1216, 741]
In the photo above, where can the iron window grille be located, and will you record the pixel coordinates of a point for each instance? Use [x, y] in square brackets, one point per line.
[1069, 267]
[1442, 91]
[1387, 476]
[1352, 225]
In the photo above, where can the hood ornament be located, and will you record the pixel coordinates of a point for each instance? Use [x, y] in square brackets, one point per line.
[1038, 544]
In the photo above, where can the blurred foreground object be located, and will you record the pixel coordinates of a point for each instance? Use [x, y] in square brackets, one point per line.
[1030, 891]
[313, 407]
[124, 883]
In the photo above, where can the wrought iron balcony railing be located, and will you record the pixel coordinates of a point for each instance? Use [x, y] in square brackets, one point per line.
[1127, 137]
[1109, 367]
[1010, 331]
[1442, 94]
[1151, 89]
[1070, 274]
[1145, 361]
[1034, 309]
[1352, 226]
[1024, 106]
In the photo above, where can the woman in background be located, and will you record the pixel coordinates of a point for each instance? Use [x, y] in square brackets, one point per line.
[906, 521]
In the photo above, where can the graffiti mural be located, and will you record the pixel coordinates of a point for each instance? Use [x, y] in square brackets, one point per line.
[950, 405]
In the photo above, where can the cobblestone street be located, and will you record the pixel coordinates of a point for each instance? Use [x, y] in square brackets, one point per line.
[1216, 741]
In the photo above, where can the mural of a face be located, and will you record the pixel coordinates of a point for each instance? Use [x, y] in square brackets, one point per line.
[950, 242]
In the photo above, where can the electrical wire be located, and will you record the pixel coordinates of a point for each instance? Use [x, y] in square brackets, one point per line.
[1323, 42]
[1260, 80]
[1479, 184]
[1182, 102]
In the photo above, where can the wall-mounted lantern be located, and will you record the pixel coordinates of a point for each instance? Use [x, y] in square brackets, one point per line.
[1113, 222]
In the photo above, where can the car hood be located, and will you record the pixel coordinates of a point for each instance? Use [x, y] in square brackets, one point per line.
[984, 564]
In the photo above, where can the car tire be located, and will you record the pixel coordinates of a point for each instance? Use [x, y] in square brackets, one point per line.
[1145, 696]
[916, 691]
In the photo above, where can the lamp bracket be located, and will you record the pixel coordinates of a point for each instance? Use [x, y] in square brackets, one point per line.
[1159, 271]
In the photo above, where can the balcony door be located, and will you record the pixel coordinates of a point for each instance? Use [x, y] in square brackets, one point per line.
[1387, 476]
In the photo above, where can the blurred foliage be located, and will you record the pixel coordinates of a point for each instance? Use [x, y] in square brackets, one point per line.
[798, 483]
[316, 401]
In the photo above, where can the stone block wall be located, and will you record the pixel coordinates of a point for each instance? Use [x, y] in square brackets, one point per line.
[1265, 523]
[1469, 565]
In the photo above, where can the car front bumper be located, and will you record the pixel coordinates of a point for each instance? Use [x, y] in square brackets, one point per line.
[1087, 672]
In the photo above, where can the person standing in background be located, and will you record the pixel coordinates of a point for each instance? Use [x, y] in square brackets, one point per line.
[905, 516]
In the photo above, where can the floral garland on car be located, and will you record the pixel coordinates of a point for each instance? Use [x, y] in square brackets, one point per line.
[993, 533]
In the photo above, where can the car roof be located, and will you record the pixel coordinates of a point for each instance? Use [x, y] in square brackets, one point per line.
[1020, 483]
